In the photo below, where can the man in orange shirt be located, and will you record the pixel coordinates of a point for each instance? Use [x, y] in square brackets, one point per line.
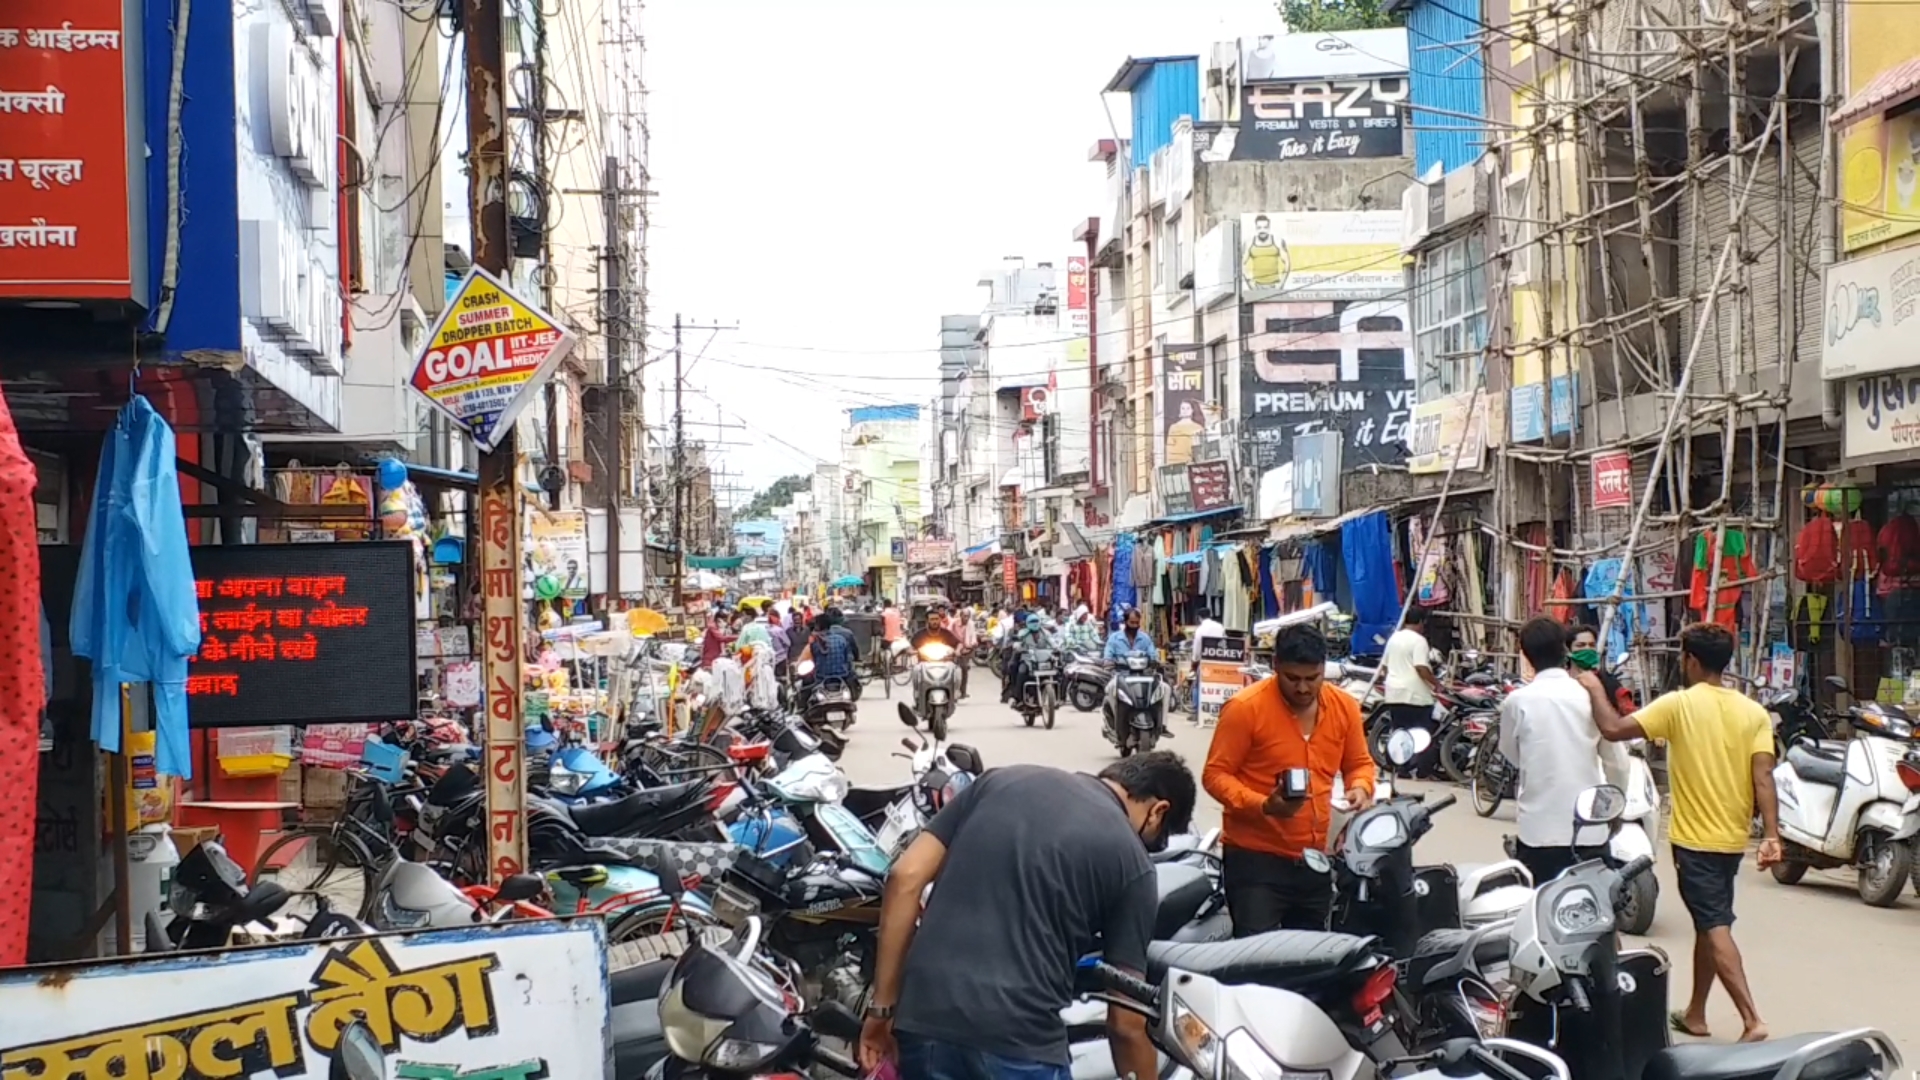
[1291, 720]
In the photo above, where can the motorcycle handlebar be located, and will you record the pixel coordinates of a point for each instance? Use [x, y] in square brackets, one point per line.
[1442, 803]
[1128, 984]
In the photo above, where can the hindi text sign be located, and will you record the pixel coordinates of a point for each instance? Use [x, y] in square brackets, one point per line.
[488, 357]
[1612, 480]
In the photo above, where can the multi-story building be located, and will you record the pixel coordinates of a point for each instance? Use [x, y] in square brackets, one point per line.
[880, 468]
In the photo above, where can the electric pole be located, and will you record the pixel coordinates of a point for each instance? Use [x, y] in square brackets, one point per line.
[615, 332]
[498, 520]
[679, 477]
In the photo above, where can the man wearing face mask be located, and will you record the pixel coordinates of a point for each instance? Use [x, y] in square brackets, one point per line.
[1583, 654]
[1031, 868]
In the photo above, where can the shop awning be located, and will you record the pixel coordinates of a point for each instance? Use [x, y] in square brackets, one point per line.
[447, 478]
[980, 553]
[1299, 529]
[1196, 515]
[1890, 89]
[716, 562]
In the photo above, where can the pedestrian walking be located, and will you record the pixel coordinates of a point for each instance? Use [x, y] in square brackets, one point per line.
[1720, 766]
[1290, 720]
[1409, 686]
[969, 636]
[1031, 868]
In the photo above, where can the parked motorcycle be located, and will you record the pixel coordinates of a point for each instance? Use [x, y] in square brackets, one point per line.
[1798, 717]
[1086, 678]
[939, 770]
[1134, 717]
[209, 898]
[730, 1011]
[936, 685]
[1855, 802]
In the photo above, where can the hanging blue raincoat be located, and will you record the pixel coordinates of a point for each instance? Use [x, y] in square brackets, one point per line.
[136, 613]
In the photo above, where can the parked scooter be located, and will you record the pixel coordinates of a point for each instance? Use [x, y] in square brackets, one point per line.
[1566, 939]
[1855, 802]
[210, 897]
[939, 770]
[1474, 894]
[1635, 838]
[936, 685]
[1086, 678]
[1134, 718]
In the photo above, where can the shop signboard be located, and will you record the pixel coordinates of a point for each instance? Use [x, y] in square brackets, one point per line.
[1870, 314]
[1320, 255]
[1321, 120]
[1316, 474]
[1612, 480]
[1183, 417]
[1882, 417]
[1221, 659]
[490, 354]
[929, 552]
[290, 633]
[556, 553]
[1010, 572]
[66, 205]
[1312, 366]
[1447, 433]
[1209, 486]
[503, 1001]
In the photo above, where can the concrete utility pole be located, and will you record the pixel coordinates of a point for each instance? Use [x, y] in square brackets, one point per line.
[498, 522]
[679, 476]
[617, 333]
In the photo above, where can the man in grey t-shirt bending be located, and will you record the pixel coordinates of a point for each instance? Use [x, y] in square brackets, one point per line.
[1032, 869]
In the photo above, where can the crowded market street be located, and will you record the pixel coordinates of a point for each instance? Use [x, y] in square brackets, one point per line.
[1812, 950]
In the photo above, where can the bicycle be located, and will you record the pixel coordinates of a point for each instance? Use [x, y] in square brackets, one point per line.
[337, 864]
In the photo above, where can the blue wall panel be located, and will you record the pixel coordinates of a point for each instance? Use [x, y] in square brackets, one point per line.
[1165, 94]
[1447, 74]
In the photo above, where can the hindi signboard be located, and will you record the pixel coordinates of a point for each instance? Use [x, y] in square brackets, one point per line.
[290, 633]
[1221, 659]
[1210, 485]
[1612, 480]
[488, 357]
[505, 1001]
[929, 552]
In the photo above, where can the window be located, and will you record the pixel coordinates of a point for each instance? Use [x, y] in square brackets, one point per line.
[1450, 317]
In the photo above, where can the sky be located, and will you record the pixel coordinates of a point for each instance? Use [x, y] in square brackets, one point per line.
[834, 176]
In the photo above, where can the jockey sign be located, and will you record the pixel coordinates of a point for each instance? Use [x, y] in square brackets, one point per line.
[489, 355]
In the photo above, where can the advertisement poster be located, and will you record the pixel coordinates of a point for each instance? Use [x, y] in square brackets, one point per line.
[1221, 659]
[1324, 120]
[1320, 255]
[1210, 485]
[510, 1001]
[556, 553]
[1880, 179]
[1183, 417]
[490, 354]
[1327, 366]
[66, 231]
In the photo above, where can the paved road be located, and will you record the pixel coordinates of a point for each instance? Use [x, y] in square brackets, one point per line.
[1817, 957]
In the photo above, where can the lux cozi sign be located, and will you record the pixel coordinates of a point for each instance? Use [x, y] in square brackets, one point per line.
[1332, 118]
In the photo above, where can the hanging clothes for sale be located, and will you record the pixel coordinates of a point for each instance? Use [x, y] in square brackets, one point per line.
[1233, 591]
[1602, 578]
[1316, 562]
[1736, 564]
[25, 652]
[1564, 593]
[1269, 595]
[135, 611]
[1125, 593]
[1366, 549]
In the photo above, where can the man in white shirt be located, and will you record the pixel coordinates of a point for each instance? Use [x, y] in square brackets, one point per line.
[1547, 730]
[1409, 686]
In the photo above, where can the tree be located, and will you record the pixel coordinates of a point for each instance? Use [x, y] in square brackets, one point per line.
[776, 495]
[1333, 16]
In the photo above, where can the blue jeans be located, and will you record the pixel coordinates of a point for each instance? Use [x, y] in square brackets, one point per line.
[922, 1058]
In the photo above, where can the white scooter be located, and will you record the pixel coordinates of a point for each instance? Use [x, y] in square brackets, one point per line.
[1489, 892]
[1853, 802]
[1635, 837]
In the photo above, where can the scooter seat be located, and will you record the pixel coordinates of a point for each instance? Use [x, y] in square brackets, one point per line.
[1439, 946]
[1183, 890]
[1759, 1061]
[1285, 959]
[618, 816]
[707, 861]
[1817, 765]
[640, 982]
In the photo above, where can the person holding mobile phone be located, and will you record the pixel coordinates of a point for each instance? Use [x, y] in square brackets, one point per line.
[1276, 750]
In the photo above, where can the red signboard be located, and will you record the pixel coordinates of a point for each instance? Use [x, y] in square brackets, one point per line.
[1210, 485]
[64, 202]
[1612, 480]
[1077, 283]
[1010, 572]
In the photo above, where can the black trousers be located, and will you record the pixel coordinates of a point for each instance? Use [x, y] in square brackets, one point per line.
[1412, 718]
[1272, 892]
[1547, 863]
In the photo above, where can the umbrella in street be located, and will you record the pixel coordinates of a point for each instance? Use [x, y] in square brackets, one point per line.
[850, 581]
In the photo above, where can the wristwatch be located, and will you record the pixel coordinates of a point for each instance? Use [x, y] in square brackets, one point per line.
[879, 1012]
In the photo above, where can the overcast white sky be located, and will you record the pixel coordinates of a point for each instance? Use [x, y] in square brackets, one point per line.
[833, 176]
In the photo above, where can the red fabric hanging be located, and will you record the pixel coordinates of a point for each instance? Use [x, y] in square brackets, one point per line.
[23, 691]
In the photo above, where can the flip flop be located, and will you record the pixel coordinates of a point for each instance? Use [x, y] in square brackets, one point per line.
[1677, 1020]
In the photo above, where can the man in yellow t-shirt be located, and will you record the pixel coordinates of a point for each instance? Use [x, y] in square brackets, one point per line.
[1720, 765]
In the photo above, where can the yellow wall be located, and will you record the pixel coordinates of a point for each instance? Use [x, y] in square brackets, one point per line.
[1880, 160]
[1551, 302]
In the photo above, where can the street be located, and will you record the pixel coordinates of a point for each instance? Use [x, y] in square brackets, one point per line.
[1811, 950]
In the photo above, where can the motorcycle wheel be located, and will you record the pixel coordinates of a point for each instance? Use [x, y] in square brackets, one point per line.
[1489, 788]
[1789, 873]
[937, 724]
[1456, 754]
[1047, 705]
[1028, 717]
[1377, 731]
[659, 931]
[1636, 908]
[1146, 741]
[1884, 871]
[1087, 698]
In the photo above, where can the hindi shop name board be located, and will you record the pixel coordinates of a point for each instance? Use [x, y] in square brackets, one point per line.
[510, 1001]
[1333, 119]
[66, 185]
[303, 634]
[488, 357]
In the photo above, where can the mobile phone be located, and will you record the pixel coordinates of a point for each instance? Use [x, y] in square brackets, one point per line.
[1292, 784]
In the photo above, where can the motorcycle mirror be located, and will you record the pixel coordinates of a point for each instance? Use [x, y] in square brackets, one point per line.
[358, 1056]
[1316, 860]
[910, 745]
[1839, 684]
[1599, 805]
[906, 714]
[1405, 744]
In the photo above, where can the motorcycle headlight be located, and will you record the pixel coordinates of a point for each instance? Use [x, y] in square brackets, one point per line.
[389, 915]
[934, 651]
[562, 782]
[1195, 1040]
[739, 1055]
[1248, 1060]
[1576, 910]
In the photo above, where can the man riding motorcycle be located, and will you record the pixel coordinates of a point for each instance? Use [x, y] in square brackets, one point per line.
[1027, 632]
[832, 651]
[1081, 634]
[1128, 640]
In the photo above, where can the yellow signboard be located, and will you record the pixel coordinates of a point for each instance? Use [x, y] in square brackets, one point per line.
[489, 355]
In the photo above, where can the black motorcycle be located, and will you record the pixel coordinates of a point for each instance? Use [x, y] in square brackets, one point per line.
[1039, 693]
[1086, 679]
[1135, 715]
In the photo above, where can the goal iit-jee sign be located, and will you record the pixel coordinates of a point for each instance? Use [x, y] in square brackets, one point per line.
[490, 354]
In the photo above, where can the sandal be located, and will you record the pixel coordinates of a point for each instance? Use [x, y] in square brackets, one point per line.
[1677, 1021]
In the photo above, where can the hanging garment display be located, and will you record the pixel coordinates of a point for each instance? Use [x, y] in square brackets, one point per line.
[1602, 578]
[1736, 564]
[1233, 591]
[1429, 583]
[1126, 555]
[135, 612]
[23, 684]
[1269, 594]
[1366, 549]
[1560, 598]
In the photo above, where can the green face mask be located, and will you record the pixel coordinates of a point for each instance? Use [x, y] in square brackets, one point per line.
[1585, 659]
